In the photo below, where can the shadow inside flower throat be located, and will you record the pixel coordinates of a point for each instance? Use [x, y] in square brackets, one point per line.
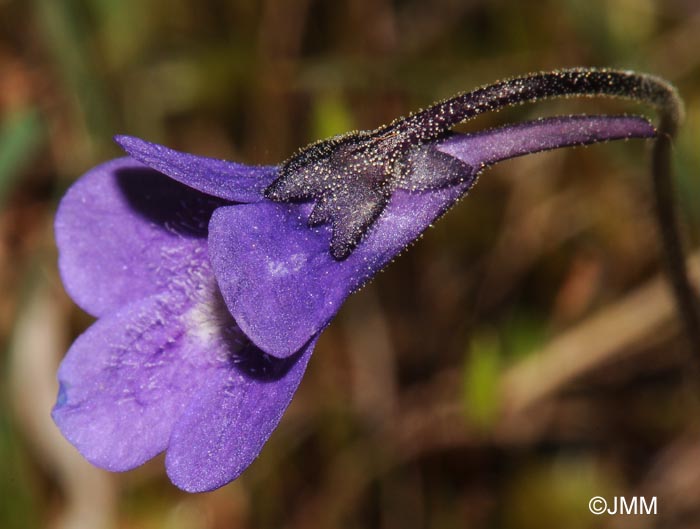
[185, 212]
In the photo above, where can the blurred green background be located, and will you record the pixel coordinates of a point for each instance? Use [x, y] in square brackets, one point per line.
[519, 359]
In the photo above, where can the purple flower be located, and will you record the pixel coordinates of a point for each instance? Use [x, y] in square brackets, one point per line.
[210, 292]
[165, 365]
[276, 274]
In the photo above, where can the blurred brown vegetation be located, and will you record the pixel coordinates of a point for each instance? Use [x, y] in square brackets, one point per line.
[519, 359]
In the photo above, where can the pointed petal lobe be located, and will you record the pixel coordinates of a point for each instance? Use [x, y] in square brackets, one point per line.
[228, 180]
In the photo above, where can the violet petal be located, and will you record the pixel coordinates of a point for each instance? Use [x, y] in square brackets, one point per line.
[127, 379]
[228, 180]
[277, 275]
[229, 420]
[123, 230]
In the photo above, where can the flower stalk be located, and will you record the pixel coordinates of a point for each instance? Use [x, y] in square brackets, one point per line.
[634, 86]
[352, 199]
